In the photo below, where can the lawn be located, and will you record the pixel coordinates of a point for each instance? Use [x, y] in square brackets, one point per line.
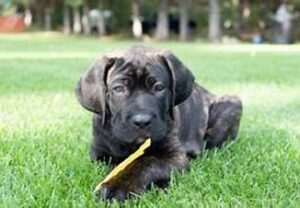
[45, 134]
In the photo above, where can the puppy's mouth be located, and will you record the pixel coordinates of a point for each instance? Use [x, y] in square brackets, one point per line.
[142, 136]
[141, 140]
[128, 135]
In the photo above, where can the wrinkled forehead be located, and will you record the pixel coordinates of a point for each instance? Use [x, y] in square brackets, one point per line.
[139, 68]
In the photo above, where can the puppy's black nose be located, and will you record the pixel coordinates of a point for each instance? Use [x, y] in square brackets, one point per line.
[141, 120]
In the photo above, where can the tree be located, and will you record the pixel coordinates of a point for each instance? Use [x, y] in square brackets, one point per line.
[243, 14]
[214, 33]
[162, 23]
[184, 19]
[137, 28]
[85, 18]
[48, 13]
[284, 18]
[75, 4]
[39, 8]
[66, 18]
[101, 21]
[263, 11]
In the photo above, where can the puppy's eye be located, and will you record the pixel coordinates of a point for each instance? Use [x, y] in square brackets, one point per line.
[119, 89]
[159, 87]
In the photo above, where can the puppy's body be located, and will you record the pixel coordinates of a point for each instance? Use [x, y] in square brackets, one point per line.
[158, 99]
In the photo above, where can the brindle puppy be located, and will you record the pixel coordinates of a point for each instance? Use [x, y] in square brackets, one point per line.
[144, 92]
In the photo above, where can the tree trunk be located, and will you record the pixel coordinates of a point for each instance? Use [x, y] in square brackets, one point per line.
[243, 15]
[214, 34]
[137, 28]
[263, 11]
[39, 9]
[66, 17]
[184, 20]
[48, 19]
[85, 18]
[162, 23]
[284, 20]
[101, 27]
[76, 20]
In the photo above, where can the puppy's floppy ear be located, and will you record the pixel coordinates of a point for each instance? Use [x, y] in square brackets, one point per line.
[183, 79]
[91, 88]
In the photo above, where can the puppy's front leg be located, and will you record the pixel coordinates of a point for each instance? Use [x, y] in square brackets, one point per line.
[149, 168]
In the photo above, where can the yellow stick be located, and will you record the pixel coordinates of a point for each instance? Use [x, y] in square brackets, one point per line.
[125, 163]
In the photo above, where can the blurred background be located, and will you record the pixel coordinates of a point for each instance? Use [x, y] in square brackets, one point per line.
[255, 21]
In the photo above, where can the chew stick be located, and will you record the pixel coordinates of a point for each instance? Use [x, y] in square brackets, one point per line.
[125, 163]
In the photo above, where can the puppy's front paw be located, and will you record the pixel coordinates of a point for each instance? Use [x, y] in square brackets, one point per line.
[117, 191]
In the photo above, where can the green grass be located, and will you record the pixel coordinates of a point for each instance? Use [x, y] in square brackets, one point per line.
[45, 134]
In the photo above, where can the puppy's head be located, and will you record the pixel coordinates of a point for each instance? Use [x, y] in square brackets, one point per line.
[135, 91]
